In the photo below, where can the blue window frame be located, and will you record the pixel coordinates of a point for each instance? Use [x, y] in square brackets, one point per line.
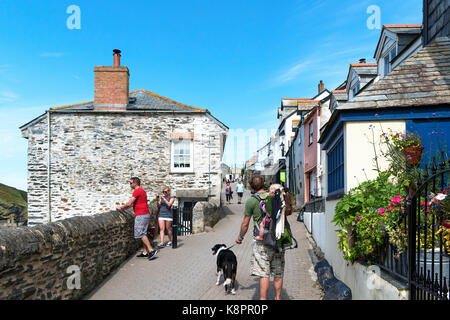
[336, 169]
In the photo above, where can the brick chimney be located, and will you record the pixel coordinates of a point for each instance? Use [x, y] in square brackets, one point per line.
[111, 85]
[321, 86]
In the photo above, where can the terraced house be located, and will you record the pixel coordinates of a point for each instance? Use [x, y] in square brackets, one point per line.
[80, 157]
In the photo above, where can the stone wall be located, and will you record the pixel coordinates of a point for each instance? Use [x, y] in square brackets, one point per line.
[41, 262]
[205, 214]
[93, 155]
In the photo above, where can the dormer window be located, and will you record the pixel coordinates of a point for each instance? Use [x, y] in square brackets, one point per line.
[356, 89]
[388, 59]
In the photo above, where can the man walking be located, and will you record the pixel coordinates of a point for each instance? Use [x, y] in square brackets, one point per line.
[265, 261]
[240, 191]
[142, 217]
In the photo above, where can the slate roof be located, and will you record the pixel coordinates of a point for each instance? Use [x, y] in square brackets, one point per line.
[144, 100]
[423, 79]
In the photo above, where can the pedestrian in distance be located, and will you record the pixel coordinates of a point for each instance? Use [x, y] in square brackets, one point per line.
[142, 217]
[165, 219]
[240, 191]
[228, 192]
[265, 260]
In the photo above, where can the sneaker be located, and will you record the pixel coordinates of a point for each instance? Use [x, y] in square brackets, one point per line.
[142, 255]
[169, 244]
[152, 254]
[161, 245]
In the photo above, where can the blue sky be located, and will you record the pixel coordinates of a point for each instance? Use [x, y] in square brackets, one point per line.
[235, 58]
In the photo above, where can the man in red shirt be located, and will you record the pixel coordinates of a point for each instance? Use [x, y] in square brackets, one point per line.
[142, 217]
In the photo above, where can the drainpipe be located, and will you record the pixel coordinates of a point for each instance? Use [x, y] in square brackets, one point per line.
[49, 137]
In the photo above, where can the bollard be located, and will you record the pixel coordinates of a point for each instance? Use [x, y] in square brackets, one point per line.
[174, 226]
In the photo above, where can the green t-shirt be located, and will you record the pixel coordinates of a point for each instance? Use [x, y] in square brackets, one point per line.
[252, 208]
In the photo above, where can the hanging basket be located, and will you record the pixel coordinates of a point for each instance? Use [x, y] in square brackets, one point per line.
[413, 154]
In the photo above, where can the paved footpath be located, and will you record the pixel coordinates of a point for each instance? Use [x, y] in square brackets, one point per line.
[188, 272]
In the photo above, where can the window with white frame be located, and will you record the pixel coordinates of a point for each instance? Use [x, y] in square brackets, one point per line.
[311, 132]
[182, 156]
[387, 60]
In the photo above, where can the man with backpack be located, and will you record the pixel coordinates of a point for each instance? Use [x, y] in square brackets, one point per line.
[267, 258]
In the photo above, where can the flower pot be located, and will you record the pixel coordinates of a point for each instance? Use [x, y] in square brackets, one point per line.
[413, 154]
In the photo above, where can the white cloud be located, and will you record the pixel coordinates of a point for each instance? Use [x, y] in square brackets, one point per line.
[292, 72]
[8, 96]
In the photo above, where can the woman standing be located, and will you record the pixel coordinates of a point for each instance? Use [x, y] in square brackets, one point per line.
[165, 216]
[228, 192]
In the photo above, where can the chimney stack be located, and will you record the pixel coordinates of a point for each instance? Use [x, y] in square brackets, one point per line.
[321, 86]
[363, 60]
[111, 85]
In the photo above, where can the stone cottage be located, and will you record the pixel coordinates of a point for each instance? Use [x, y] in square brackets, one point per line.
[81, 157]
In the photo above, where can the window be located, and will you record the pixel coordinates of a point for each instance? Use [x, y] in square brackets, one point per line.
[387, 60]
[182, 156]
[356, 89]
[336, 168]
[311, 132]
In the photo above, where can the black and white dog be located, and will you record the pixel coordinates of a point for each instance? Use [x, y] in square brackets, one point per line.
[226, 265]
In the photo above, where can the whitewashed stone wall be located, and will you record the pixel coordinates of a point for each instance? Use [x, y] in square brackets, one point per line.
[94, 154]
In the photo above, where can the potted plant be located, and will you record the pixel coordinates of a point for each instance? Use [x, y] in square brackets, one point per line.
[410, 144]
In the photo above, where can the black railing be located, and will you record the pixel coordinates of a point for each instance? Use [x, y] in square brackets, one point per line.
[184, 219]
[315, 205]
[428, 256]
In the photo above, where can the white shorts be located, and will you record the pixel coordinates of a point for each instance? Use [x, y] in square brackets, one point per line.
[166, 219]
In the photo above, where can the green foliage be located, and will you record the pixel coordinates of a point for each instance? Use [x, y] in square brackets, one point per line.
[358, 215]
[406, 140]
[13, 203]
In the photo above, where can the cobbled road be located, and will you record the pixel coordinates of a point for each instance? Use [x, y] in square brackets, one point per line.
[188, 272]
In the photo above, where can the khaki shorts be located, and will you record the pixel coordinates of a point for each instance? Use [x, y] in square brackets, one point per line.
[266, 262]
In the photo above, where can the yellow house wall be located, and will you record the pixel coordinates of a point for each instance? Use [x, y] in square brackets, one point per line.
[359, 150]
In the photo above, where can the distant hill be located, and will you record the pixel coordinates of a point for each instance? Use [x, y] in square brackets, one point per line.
[13, 205]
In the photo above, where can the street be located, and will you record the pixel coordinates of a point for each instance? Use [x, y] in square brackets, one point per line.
[189, 272]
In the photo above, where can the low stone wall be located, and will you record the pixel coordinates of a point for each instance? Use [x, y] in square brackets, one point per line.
[205, 214]
[64, 259]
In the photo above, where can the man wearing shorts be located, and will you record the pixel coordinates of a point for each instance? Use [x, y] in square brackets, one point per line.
[265, 261]
[142, 217]
[240, 191]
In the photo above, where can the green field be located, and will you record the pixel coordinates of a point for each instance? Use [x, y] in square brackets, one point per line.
[13, 204]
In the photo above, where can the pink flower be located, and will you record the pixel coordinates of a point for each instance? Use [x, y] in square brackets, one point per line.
[359, 218]
[381, 210]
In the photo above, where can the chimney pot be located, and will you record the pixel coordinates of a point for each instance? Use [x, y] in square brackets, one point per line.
[117, 57]
[321, 86]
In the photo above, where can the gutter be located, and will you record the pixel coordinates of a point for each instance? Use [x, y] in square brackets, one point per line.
[49, 137]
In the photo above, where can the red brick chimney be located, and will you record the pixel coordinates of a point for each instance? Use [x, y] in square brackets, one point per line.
[111, 86]
[321, 86]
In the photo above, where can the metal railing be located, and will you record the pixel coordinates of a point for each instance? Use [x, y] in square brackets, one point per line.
[428, 256]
